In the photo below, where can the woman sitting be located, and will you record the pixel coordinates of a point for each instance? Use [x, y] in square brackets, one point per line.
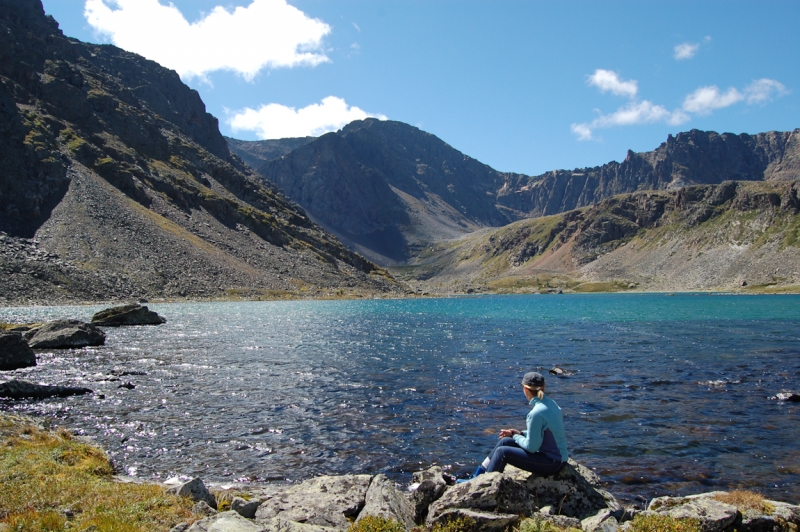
[542, 448]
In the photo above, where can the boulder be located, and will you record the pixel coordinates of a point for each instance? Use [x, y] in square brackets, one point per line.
[244, 507]
[430, 485]
[602, 521]
[781, 516]
[23, 389]
[484, 521]
[127, 315]
[65, 334]
[713, 515]
[561, 521]
[225, 522]
[384, 500]
[490, 492]
[278, 524]
[15, 352]
[202, 509]
[196, 491]
[574, 491]
[323, 501]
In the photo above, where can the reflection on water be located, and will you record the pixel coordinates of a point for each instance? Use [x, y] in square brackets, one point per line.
[669, 395]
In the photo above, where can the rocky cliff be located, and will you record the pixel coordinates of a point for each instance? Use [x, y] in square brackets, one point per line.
[116, 183]
[737, 235]
[391, 190]
[258, 152]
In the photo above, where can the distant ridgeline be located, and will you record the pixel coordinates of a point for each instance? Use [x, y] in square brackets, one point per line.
[390, 190]
[117, 184]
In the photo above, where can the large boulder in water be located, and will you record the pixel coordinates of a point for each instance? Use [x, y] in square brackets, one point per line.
[15, 352]
[127, 315]
[65, 334]
[322, 501]
[22, 389]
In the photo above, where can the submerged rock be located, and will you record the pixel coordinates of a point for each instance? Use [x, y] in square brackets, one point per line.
[15, 352]
[789, 397]
[22, 389]
[65, 334]
[127, 315]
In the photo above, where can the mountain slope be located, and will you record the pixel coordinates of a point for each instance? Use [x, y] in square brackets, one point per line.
[388, 188]
[256, 153]
[118, 184]
[702, 237]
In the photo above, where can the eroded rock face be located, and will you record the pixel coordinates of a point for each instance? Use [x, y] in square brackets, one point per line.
[15, 352]
[384, 500]
[22, 389]
[65, 334]
[323, 501]
[713, 515]
[127, 315]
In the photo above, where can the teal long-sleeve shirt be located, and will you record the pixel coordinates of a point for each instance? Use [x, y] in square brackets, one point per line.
[545, 430]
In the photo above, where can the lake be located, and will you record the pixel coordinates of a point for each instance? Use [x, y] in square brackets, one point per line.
[669, 393]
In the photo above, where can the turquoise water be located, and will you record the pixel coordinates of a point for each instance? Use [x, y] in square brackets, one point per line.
[669, 393]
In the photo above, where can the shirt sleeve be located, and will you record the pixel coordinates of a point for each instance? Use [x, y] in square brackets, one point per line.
[531, 440]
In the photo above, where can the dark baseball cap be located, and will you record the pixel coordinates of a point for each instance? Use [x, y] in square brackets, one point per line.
[533, 380]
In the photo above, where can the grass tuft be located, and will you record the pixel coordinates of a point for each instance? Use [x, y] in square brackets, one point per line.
[663, 523]
[372, 523]
[746, 500]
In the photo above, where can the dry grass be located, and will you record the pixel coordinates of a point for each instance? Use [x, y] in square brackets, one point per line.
[746, 500]
[51, 481]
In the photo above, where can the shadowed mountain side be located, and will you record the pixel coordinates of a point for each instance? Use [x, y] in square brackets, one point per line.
[257, 152]
[118, 184]
[377, 180]
[703, 237]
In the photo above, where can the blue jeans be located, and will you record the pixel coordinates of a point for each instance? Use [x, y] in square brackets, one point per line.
[508, 452]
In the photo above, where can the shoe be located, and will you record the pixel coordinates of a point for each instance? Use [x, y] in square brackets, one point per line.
[477, 472]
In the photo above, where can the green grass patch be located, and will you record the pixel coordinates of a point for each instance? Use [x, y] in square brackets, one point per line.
[52, 481]
[663, 523]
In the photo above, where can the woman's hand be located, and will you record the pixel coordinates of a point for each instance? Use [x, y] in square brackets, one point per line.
[507, 433]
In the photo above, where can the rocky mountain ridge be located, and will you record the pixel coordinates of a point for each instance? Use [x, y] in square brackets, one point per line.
[391, 190]
[737, 235]
[120, 181]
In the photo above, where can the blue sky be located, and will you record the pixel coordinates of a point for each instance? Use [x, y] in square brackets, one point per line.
[523, 86]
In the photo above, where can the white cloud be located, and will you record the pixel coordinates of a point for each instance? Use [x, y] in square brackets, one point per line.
[761, 90]
[706, 99]
[609, 81]
[265, 34]
[633, 113]
[686, 50]
[275, 121]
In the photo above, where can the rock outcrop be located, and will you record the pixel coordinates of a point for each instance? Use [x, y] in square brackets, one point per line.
[133, 314]
[15, 352]
[16, 389]
[195, 490]
[65, 334]
[118, 185]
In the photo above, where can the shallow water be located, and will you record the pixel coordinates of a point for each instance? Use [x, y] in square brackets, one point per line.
[669, 394]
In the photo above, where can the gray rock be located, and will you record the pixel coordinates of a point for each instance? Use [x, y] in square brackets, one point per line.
[384, 500]
[203, 509]
[575, 491]
[15, 352]
[561, 521]
[323, 501]
[134, 314]
[484, 521]
[490, 492]
[430, 486]
[195, 490]
[180, 527]
[244, 507]
[714, 516]
[226, 522]
[783, 517]
[65, 334]
[602, 521]
[278, 524]
[23, 389]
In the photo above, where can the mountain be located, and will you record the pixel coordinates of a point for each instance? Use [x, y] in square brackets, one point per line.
[256, 153]
[390, 190]
[738, 235]
[117, 184]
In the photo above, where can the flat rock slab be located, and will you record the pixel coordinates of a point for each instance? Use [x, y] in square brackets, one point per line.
[23, 389]
[323, 501]
[713, 515]
[225, 522]
[15, 352]
[65, 334]
[127, 315]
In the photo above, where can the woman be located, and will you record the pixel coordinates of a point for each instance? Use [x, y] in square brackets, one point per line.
[542, 448]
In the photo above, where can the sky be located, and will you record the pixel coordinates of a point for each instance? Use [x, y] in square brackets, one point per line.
[523, 86]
